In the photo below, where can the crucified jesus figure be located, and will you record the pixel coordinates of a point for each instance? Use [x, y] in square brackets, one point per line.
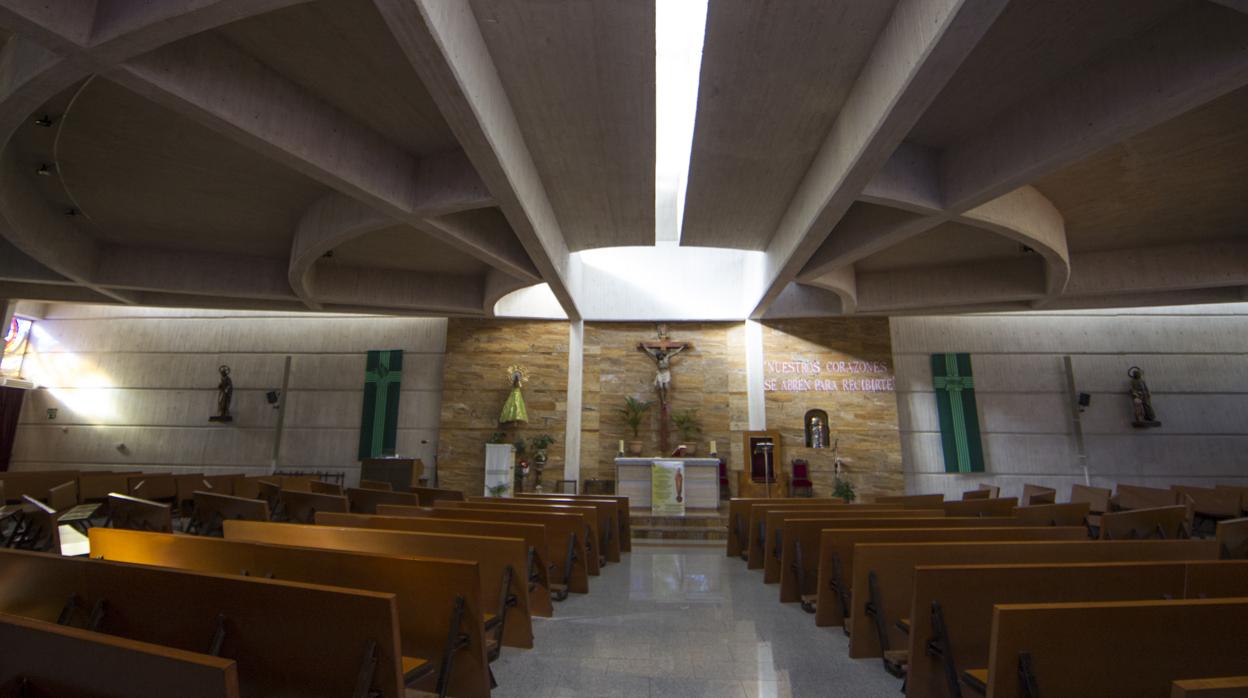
[662, 352]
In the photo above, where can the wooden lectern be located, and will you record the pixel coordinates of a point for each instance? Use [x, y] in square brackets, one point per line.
[401, 473]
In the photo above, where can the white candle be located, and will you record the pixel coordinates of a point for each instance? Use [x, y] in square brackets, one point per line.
[621, 446]
[713, 449]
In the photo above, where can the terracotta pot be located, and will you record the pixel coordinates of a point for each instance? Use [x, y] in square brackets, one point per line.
[634, 448]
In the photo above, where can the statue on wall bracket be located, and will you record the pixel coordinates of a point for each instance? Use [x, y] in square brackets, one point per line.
[514, 411]
[1141, 401]
[225, 395]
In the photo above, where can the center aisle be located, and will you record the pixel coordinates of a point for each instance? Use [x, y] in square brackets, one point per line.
[685, 621]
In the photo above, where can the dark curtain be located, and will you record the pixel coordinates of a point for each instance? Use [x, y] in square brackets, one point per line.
[10, 408]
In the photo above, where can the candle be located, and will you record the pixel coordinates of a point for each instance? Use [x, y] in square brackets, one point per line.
[713, 449]
[621, 446]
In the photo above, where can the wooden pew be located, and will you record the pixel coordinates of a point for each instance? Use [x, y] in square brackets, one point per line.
[614, 523]
[981, 507]
[1232, 537]
[626, 532]
[62, 497]
[302, 507]
[185, 485]
[983, 491]
[739, 515]
[366, 501]
[46, 659]
[756, 533]
[428, 495]
[137, 514]
[799, 573]
[34, 528]
[319, 487]
[288, 638]
[247, 486]
[428, 590]
[956, 602]
[501, 560]
[885, 572]
[1071, 514]
[1098, 501]
[34, 484]
[918, 501]
[376, 485]
[1241, 491]
[836, 555]
[1136, 497]
[157, 487]
[1124, 648]
[533, 535]
[1222, 687]
[1208, 506]
[565, 540]
[1036, 494]
[211, 510]
[1143, 524]
[607, 517]
[220, 484]
[589, 515]
[807, 523]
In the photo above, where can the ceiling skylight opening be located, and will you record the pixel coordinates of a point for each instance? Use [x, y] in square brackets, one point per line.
[680, 26]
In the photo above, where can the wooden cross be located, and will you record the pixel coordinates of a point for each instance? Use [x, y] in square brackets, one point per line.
[661, 352]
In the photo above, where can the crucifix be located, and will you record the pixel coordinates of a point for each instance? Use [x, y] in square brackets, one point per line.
[661, 352]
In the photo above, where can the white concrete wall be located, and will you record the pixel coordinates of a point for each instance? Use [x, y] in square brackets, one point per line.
[147, 378]
[1195, 360]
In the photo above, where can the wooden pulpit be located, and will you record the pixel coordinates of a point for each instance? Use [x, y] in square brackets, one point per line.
[401, 473]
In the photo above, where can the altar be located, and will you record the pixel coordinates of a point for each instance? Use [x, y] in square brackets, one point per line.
[701, 481]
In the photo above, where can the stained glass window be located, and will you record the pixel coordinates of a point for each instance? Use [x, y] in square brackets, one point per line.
[16, 339]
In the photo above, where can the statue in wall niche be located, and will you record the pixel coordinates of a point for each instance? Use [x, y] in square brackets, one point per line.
[225, 396]
[1141, 401]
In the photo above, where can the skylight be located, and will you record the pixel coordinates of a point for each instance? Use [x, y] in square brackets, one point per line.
[680, 28]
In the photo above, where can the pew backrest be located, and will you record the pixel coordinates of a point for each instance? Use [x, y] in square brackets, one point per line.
[1070, 514]
[153, 486]
[893, 565]
[287, 638]
[1097, 498]
[1002, 506]
[963, 597]
[64, 496]
[138, 514]
[320, 487]
[366, 501]
[426, 496]
[211, 510]
[1125, 648]
[776, 522]
[1209, 501]
[1137, 497]
[1232, 537]
[836, 562]
[1036, 494]
[920, 501]
[46, 659]
[378, 485]
[1217, 687]
[424, 589]
[302, 507]
[1142, 524]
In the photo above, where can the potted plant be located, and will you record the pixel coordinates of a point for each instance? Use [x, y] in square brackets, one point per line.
[540, 444]
[686, 423]
[634, 411]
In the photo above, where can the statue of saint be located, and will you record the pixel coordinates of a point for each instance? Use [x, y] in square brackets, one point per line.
[1141, 400]
[225, 395]
[816, 433]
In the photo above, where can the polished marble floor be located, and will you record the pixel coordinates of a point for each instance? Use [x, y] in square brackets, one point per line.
[685, 621]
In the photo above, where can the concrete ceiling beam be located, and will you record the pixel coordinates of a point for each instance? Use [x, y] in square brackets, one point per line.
[450, 294]
[919, 50]
[993, 281]
[444, 45]
[201, 273]
[1159, 269]
[1170, 69]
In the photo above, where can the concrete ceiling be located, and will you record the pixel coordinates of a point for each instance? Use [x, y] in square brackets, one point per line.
[429, 157]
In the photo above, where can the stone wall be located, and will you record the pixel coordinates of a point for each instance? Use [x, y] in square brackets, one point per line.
[709, 378]
[475, 385]
[1193, 359]
[134, 387]
[844, 367]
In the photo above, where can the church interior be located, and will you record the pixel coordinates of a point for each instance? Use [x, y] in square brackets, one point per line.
[528, 348]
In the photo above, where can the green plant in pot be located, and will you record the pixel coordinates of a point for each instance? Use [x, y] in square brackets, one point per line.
[540, 444]
[634, 412]
[686, 422]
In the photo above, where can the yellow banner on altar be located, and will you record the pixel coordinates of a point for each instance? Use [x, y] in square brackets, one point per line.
[667, 488]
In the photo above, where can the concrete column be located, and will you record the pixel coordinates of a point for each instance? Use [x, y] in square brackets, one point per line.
[572, 433]
[755, 398]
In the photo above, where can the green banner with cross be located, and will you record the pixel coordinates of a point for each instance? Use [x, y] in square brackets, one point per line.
[959, 420]
[379, 422]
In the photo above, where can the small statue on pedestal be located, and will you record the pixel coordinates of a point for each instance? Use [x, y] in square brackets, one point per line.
[225, 395]
[1141, 401]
